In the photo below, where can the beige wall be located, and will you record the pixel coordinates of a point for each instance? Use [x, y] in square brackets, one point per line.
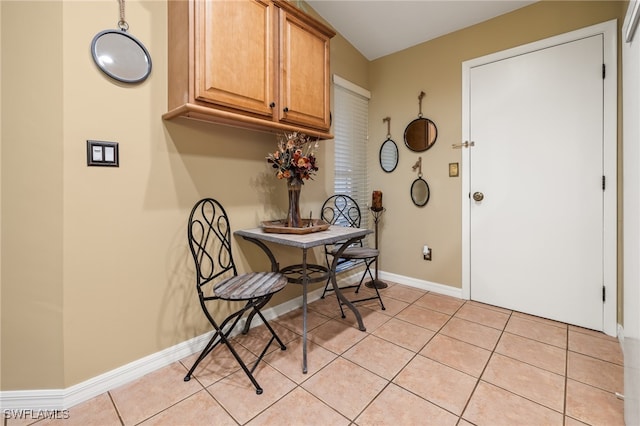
[435, 68]
[32, 196]
[95, 269]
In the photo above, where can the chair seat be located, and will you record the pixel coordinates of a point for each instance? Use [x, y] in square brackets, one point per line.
[249, 286]
[356, 252]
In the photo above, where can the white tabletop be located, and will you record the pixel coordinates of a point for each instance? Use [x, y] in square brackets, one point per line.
[304, 241]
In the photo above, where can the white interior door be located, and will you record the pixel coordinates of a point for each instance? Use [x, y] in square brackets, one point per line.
[536, 238]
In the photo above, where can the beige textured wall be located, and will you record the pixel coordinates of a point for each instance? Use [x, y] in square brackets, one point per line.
[32, 196]
[435, 68]
[95, 269]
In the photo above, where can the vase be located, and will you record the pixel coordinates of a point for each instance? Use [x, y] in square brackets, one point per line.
[294, 185]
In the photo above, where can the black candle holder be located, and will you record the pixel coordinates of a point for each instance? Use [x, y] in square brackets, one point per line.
[376, 282]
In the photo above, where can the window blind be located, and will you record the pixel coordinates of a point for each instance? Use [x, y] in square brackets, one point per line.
[351, 121]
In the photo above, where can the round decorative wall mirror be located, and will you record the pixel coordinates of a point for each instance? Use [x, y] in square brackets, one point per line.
[389, 156]
[420, 192]
[121, 56]
[420, 134]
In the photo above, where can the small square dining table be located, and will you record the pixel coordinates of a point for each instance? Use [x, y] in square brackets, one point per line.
[306, 273]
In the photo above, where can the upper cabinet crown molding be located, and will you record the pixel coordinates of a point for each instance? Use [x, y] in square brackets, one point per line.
[261, 64]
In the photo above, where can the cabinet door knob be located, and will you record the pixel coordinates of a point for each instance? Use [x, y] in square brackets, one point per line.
[286, 109]
[272, 105]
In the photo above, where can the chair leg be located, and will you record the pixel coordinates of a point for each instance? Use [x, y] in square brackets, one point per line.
[220, 333]
[274, 336]
[223, 338]
[340, 305]
[379, 297]
[206, 351]
[326, 288]
[364, 275]
[255, 305]
[273, 332]
[248, 372]
[247, 324]
[373, 281]
[357, 287]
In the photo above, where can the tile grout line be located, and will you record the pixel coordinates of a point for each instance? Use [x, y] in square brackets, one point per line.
[115, 407]
[493, 351]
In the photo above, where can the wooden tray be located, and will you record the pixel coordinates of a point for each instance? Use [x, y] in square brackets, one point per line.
[308, 226]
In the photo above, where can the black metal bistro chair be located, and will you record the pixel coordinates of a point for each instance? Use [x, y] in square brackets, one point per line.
[343, 210]
[217, 279]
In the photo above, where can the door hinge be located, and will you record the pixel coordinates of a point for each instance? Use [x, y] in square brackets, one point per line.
[604, 71]
[603, 182]
[604, 294]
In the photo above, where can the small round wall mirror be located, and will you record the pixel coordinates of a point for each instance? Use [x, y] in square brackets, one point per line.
[420, 192]
[121, 56]
[420, 134]
[389, 156]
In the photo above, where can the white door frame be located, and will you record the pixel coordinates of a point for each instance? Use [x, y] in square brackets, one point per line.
[630, 336]
[609, 31]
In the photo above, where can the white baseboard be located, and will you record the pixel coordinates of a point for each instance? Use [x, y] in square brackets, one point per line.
[620, 334]
[422, 284]
[61, 399]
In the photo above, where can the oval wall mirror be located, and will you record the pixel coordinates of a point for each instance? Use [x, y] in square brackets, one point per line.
[121, 56]
[389, 156]
[420, 134]
[420, 192]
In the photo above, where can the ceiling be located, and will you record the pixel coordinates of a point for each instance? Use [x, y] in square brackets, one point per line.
[380, 27]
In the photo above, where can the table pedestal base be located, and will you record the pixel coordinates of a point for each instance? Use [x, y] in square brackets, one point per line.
[376, 284]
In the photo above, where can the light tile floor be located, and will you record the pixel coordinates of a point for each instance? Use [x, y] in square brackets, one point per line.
[427, 359]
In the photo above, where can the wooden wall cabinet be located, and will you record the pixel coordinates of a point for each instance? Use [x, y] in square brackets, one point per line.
[261, 64]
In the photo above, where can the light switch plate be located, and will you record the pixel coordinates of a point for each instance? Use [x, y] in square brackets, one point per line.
[453, 170]
[102, 153]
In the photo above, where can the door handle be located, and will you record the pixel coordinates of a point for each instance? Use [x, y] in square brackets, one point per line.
[478, 196]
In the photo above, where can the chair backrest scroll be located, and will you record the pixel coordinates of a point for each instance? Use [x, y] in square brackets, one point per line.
[341, 210]
[209, 236]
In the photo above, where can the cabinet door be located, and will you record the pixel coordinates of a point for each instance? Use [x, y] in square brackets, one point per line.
[304, 79]
[235, 55]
